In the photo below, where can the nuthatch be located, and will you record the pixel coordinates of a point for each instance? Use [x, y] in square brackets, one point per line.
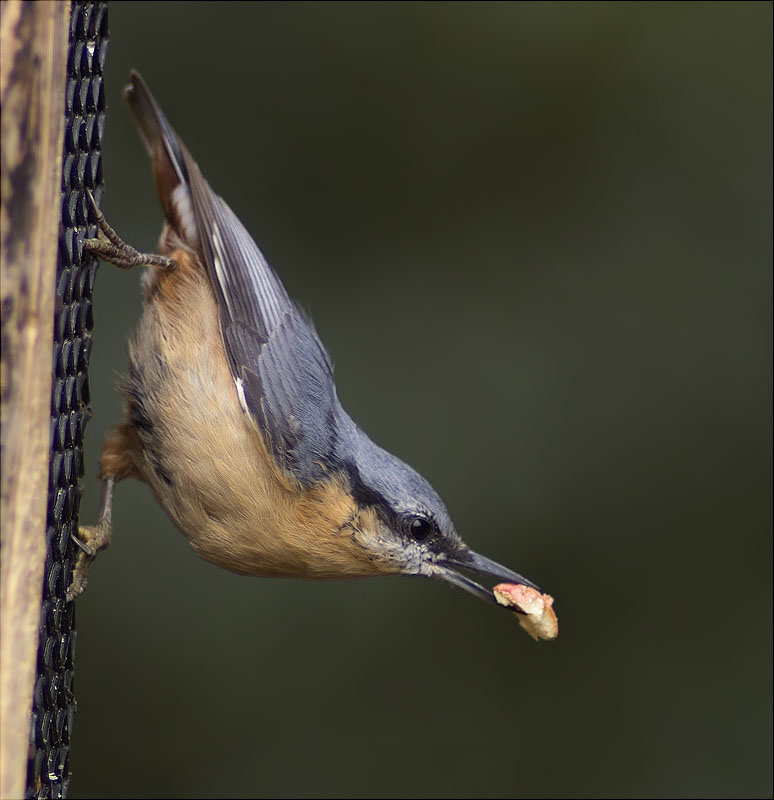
[232, 416]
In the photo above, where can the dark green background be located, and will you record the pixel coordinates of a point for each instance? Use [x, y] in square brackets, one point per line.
[536, 240]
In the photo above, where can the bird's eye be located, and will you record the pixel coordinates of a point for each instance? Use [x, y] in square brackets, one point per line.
[420, 528]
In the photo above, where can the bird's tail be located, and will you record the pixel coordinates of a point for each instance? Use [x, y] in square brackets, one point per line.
[168, 156]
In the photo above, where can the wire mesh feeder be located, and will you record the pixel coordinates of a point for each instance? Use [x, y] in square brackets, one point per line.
[53, 705]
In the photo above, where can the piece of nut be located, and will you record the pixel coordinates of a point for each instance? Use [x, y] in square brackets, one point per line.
[535, 612]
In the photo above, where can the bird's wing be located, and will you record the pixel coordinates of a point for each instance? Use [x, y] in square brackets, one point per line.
[283, 375]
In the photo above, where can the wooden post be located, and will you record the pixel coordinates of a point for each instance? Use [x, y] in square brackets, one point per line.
[33, 48]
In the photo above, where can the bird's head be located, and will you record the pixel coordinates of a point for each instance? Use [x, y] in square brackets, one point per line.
[406, 528]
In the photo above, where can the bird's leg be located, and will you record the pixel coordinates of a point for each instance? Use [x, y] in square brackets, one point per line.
[109, 246]
[91, 539]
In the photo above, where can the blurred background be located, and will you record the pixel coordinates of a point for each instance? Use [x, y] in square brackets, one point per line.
[536, 239]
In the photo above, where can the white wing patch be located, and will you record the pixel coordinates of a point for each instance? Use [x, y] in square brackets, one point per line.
[218, 262]
[240, 388]
[181, 200]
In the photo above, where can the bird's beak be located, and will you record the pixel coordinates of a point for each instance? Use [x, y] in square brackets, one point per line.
[469, 561]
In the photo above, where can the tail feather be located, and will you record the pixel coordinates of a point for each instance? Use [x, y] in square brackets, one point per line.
[167, 156]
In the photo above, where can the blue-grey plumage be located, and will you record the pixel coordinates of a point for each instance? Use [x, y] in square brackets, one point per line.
[233, 419]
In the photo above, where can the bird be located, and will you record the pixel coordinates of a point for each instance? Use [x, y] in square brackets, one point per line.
[232, 416]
